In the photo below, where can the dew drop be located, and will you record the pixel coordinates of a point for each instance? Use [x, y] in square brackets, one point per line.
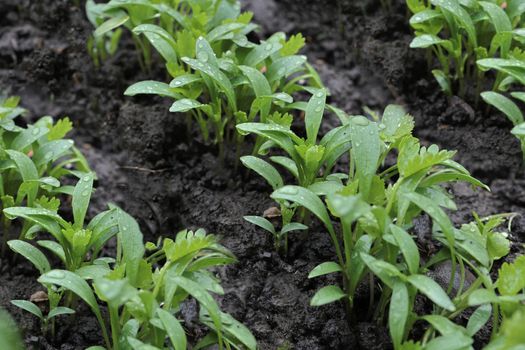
[268, 47]
[36, 131]
[87, 178]
[202, 56]
[320, 94]
[319, 109]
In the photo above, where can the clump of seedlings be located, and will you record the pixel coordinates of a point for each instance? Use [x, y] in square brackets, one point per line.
[34, 159]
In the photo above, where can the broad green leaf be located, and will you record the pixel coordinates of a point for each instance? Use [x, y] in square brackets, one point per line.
[325, 269]
[505, 105]
[432, 290]
[398, 313]
[408, 247]
[115, 292]
[51, 151]
[24, 164]
[512, 67]
[28, 251]
[29, 307]
[264, 169]
[261, 222]
[284, 66]
[47, 219]
[174, 329]
[327, 295]
[366, 151]
[151, 87]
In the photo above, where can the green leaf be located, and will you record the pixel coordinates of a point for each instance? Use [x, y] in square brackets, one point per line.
[327, 295]
[314, 114]
[386, 272]
[284, 66]
[307, 199]
[261, 52]
[115, 292]
[61, 128]
[51, 151]
[70, 281]
[160, 39]
[183, 80]
[286, 163]
[443, 325]
[504, 105]
[478, 319]
[55, 248]
[427, 40]
[35, 256]
[366, 151]
[49, 220]
[325, 269]
[260, 86]
[261, 222]
[60, 310]
[25, 165]
[293, 226]
[186, 104]
[27, 137]
[432, 290]
[408, 247]
[265, 169]
[454, 9]
[455, 341]
[398, 313]
[203, 297]
[151, 87]
[111, 24]
[293, 45]
[81, 198]
[511, 277]
[29, 307]
[131, 240]
[173, 328]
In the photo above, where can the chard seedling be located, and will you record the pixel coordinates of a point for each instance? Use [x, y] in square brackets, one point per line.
[33, 161]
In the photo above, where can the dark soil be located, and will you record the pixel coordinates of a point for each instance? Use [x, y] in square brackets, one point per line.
[148, 165]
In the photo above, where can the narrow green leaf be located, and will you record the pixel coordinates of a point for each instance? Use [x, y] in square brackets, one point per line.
[265, 169]
[174, 329]
[261, 222]
[81, 198]
[408, 247]
[398, 313]
[111, 24]
[325, 269]
[29, 307]
[314, 114]
[150, 87]
[327, 295]
[35, 256]
[505, 105]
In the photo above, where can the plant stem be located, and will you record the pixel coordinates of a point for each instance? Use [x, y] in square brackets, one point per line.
[115, 326]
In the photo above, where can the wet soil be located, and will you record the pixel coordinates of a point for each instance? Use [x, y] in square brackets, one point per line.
[169, 180]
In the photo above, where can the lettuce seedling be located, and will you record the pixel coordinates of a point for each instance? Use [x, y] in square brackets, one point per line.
[33, 160]
[459, 33]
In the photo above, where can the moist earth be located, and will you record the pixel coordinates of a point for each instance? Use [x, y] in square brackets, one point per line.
[167, 178]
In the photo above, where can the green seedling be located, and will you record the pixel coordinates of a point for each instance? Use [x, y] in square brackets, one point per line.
[459, 33]
[170, 27]
[75, 243]
[45, 319]
[142, 300]
[280, 237]
[376, 208]
[33, 160]
[232, 84]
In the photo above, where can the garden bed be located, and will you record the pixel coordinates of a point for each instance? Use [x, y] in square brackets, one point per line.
[168, 181]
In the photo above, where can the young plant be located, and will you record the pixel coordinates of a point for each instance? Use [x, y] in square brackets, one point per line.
[170, 27]
[143, 294]
[34, 159]
[76, 244]
[376, 208]
[459, 33]
[228, 85]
